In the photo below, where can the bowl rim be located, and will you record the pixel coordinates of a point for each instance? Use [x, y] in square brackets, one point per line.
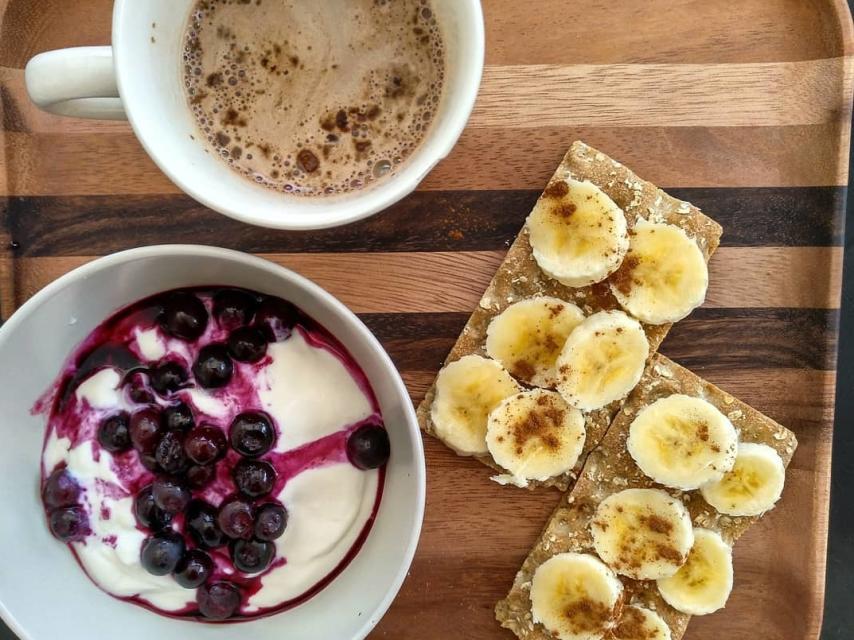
[20, 316]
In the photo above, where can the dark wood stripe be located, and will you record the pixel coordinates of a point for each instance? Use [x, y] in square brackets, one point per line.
[709, 340]
[425, 221]
[722, 339]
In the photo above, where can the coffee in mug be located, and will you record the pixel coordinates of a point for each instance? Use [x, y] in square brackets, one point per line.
[313, 97]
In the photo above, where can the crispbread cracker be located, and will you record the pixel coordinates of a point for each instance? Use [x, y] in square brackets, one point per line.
[610, 469]
[519, 277]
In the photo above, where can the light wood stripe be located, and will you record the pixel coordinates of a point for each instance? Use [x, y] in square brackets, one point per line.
[776, 131]
[754, 277]
[760, 30]
[498, 523]
[667, 156]
[114, 163]
[790, 396]
[647, 95]
[676, 95]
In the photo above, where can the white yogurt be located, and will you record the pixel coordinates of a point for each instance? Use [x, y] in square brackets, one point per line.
[150, 344]
[327, 509]
[310, 394]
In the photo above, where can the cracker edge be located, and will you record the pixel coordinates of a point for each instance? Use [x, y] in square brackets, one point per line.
[638, 198]
[516, 605]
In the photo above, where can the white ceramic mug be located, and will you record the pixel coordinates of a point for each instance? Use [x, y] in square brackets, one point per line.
[140, 78]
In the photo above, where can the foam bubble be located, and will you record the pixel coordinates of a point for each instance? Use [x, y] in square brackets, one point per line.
[385, 94]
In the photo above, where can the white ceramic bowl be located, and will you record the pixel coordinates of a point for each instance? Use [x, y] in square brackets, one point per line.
[44, 595]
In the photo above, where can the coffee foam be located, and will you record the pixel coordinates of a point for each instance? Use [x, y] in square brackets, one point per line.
[314, 98]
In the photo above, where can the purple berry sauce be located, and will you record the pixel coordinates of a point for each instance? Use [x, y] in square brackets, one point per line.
[215, 344]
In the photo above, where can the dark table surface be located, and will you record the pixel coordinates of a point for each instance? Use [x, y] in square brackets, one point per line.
[839, 596]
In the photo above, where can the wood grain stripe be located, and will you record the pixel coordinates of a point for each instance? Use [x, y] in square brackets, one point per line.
[675, 95]
[106, 162]
[500, 527]
[560, 32]
[709, 340]
[55, 155]
[757, 277]
[799, 398]
[689, 31]
[425, 221]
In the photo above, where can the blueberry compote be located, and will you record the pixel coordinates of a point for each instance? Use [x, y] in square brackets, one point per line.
[212, 453]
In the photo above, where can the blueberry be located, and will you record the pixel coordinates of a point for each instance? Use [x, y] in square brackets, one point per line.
[170, 495]
[368, 447]
[277, 319]
[183, 316]
[148, 513]
[234, 308]
[145, 430]
[254, 478]
[194, 569]
[205, 444]
[170, 453]
[167, 377]
[178, 417]
[213, 367]
[113, 433]
[149, 462]
[252, 434]
[141, 395]
[137, 388]
[247, 344]
[162, 552]
[60, 490]
[202, 526]
[218, 600]
[69, 524]
[271, 521]
[251, 556]
[199, 476]
[236, 519]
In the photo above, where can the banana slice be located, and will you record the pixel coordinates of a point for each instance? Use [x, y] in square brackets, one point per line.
[664, 276]
[466, 391]
[577, 233]
[752, 486]
[527, 337]
[645, 534]
[602, 361]
[682, 442]
[575, 596]
[704, 582]
[535, 435]
[640, 623]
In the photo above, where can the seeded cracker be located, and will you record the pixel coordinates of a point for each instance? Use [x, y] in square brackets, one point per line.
[519, 277]
[610, 469]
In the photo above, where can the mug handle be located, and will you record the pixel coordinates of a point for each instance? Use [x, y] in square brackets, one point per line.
[78, 82]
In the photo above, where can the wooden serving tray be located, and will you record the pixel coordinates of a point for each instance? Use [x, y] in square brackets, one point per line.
[742, 108]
